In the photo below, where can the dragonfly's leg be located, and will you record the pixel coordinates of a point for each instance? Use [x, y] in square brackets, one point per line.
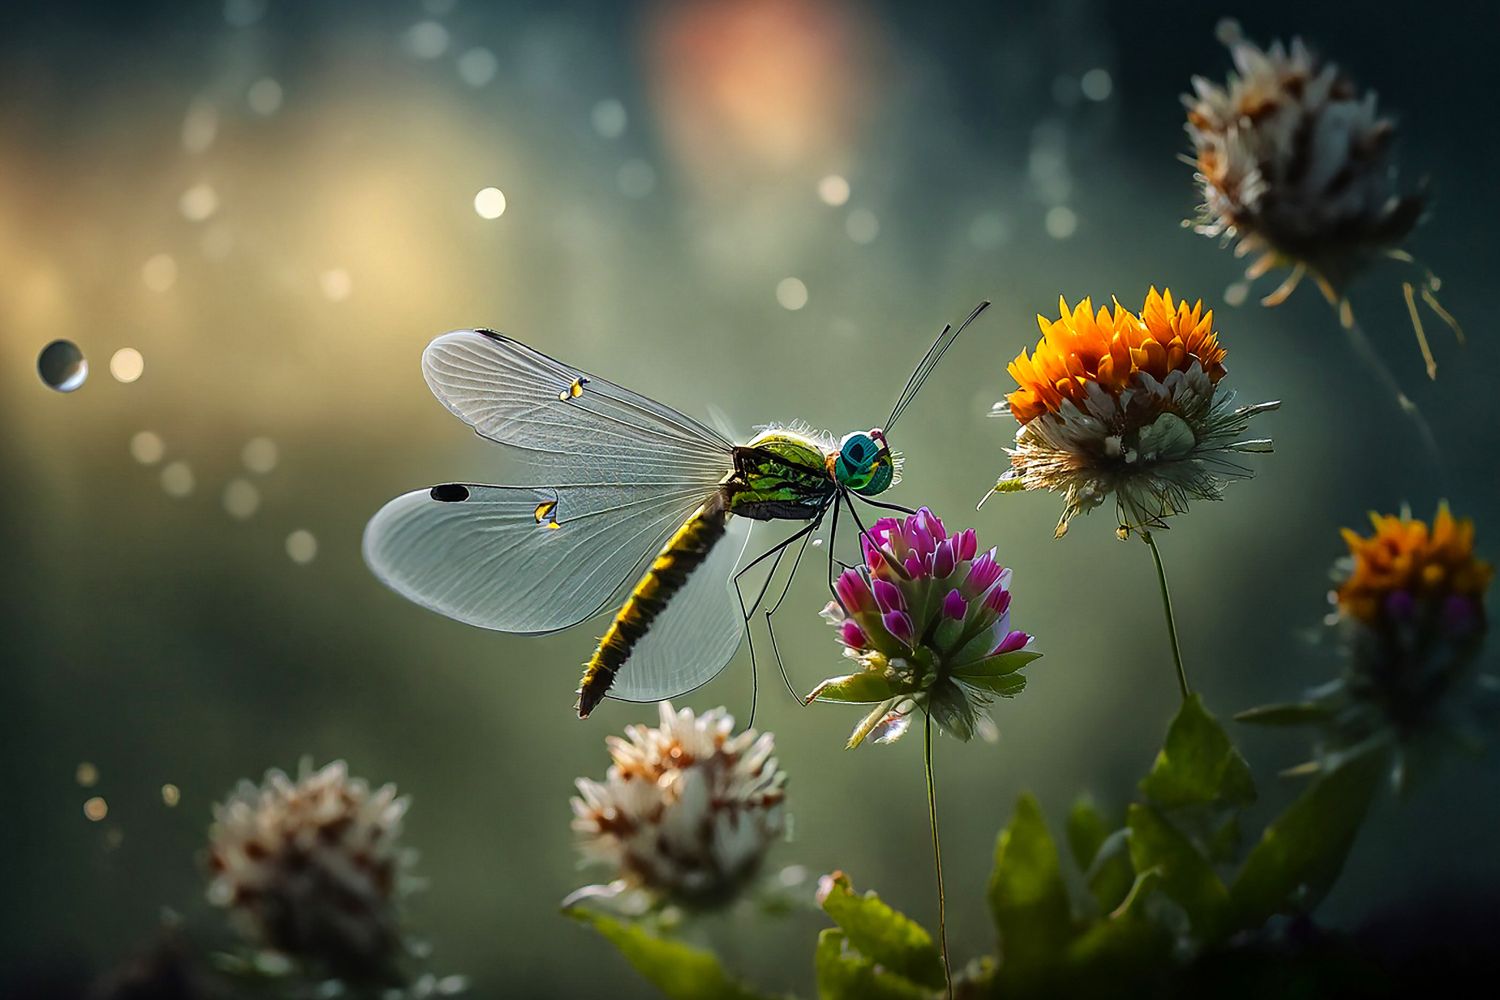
[833, 541]
[746, 614]
[771, 628]
[885, 506]
[864, 532]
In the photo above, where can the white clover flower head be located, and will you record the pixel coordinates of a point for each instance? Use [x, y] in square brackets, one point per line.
[314, 869]
[686, 812]
[1128, 406]
[1293, 162]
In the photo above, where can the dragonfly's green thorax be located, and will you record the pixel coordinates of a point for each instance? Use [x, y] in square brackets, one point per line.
[779, 475]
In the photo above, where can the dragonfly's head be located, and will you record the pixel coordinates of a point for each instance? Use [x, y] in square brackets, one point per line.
[865, 463]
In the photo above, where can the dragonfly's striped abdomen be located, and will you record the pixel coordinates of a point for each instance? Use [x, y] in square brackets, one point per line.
[684, 552]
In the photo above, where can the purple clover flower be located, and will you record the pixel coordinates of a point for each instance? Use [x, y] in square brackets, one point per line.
[934, 635]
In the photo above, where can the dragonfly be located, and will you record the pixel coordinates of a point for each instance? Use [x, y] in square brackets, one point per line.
[639, 508]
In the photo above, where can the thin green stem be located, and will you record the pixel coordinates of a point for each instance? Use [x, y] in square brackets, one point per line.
[1166, 603]
[937, 855]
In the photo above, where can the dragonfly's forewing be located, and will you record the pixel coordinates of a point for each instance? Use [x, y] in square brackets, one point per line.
[573, 426]
[696, 634]
[493, 558]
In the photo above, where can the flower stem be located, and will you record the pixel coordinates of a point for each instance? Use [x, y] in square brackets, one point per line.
[1166, 603]
[937, 855]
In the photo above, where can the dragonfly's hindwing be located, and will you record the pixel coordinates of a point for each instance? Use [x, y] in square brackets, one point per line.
[684, 552]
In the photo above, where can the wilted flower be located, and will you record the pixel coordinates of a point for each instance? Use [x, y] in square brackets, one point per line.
[314, 869]
[1294, 166]
[934, 635]
[1126, 405]
[686, 812]
[1410, 619]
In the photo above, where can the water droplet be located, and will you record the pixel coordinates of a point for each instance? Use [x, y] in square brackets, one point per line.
[636, 178]
[170, 794]
[427, 39]
[791, 293]
[477, 67]
[1097, 84]
[198, 202]
[1062, 222]
[609, 118]
[96, 808]
[147, 448]
[160, 272]
[265, 96]
[126, 365]
[200, 126]
[62, 366]
[177, 479]
[336, 284]
[87, 775]
[489, 203]
[862, 226]
[301, 546]
[259, 455]
[988, 231]
[241, 499]
[833, 190]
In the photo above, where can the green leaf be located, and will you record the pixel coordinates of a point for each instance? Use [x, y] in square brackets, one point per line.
[884, 935]
[1302, 851]
[1101, 853]
[1087, 831]
[1198, 765]
[1187, 877]
[1004, 685]
[1305, 713]
[996, 666]
[844, 974]
[1028, 898]
[679, 971]
[863, 688]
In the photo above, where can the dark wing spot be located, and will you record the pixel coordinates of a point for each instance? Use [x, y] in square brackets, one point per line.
[450, 493]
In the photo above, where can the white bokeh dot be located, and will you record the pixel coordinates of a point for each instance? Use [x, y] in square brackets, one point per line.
[791, 293]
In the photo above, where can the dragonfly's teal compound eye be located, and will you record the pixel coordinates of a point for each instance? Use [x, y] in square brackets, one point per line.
[864, 465]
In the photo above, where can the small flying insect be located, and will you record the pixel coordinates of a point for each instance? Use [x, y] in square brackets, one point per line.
[641, 508]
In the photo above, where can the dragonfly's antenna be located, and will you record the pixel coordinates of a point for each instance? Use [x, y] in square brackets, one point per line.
[929, 361]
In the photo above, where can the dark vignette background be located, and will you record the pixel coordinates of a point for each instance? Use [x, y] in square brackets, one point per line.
[164, 641]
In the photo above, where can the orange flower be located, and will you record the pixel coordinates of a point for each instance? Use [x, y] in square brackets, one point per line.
[1405, 556]
[1108, 349]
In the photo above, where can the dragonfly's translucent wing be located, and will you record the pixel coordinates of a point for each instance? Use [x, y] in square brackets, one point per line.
[523, 558]
[573, 425]
[695, 635]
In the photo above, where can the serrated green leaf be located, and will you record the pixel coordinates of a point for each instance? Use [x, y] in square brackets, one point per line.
[863, 688]
[1027, 896]
[1197, 764]
[679, 971]
[1187, 877]
[883, 934]
[1305, 713]
[1302, 851]
[843, 973]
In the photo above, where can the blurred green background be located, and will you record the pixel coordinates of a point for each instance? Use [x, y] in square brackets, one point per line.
[274, 203]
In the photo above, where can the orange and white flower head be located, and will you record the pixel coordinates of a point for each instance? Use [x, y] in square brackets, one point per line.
[314, 869]
[1126, 405]
[686, 812]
